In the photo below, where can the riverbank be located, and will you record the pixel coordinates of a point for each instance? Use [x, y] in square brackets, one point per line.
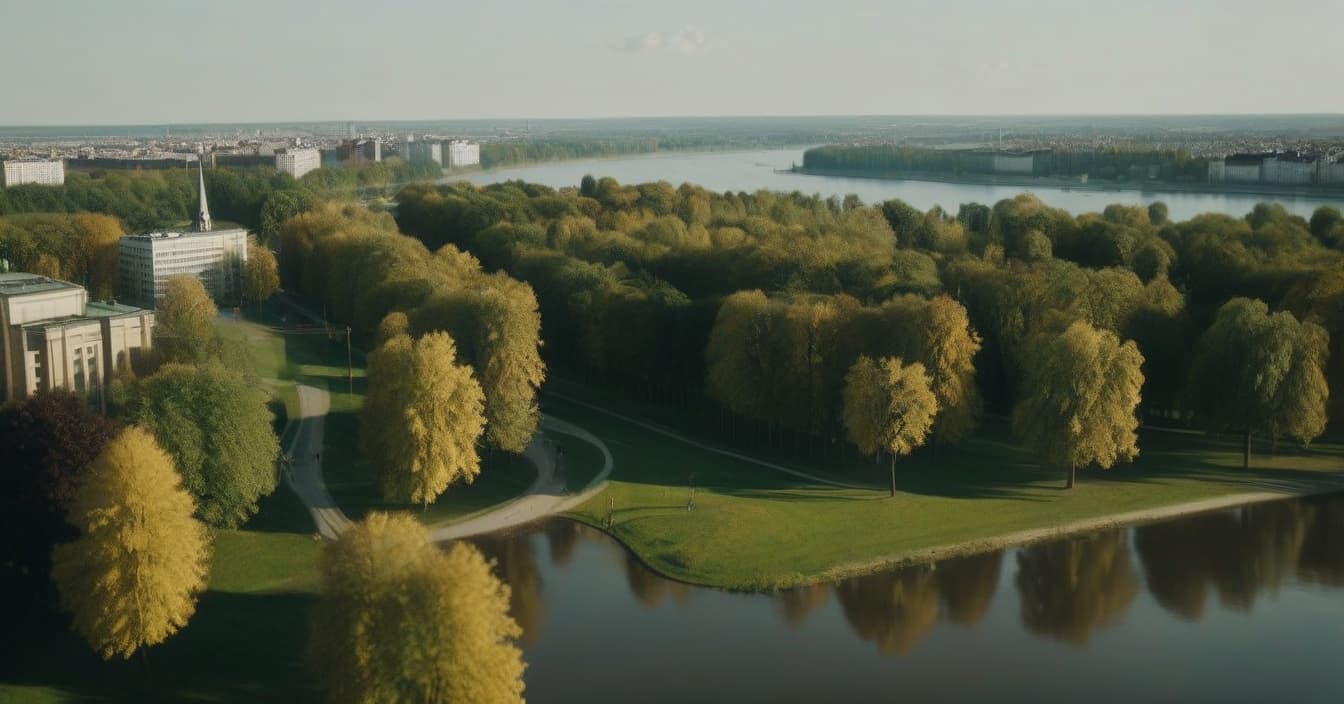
[747, 527]
[1073, 184]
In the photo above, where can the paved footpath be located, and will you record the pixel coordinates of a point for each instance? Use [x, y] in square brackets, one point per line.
[545, 497]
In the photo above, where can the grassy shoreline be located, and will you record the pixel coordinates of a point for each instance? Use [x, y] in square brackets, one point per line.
[755, 529]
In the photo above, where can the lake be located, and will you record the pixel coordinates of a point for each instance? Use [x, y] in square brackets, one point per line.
[755, 170]
[1238, 605]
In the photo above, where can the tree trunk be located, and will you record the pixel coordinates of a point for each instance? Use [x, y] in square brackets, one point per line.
[1073, 471]
[893, 474]
[1246, 452]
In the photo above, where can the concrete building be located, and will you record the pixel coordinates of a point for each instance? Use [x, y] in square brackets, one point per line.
[53, 337]
[1244, 168]
[361, 151]
[423, 151]
[41, 172]
[459, 153]
[1010, 163]
[216, 257]
[297, 162]
[1291, 168]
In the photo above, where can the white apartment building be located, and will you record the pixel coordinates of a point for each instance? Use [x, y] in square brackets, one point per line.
[459, 153]
[52, 337]
[45, 173]
[297, 162]
[216, 258]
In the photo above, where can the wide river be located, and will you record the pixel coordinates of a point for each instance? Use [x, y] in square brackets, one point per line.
[1244, 605]
[755, 170]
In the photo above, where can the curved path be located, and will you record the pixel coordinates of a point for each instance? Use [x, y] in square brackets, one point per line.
[710, 448]
[546, 496]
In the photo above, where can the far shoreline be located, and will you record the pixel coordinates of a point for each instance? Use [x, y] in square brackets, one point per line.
[1057, 183]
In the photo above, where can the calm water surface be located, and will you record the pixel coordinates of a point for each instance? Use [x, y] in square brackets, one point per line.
[1240, 605]
[754, 170]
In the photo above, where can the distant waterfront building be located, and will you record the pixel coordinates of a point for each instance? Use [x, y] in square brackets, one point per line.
[38, 171]
[1290, 168]
[53, 337]
[423, 151]
[1011, 163]
[216, 257]
[459, 153]
[297, 162]
[1244, 168]
[359, 151]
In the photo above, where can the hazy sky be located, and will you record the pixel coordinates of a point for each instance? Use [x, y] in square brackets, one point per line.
[157, 61]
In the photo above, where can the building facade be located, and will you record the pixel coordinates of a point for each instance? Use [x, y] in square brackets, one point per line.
[148, 260]
[423, 151]
[54, 338]
[459, 153]
[297, 162]
[44, 173]
[216, 257]
[361, 151]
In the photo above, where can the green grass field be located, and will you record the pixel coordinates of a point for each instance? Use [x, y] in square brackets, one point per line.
[755, 528]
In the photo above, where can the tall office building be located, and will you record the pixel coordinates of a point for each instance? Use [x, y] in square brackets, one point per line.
[216, 257]
[42, 172]
[53, 337]
[297, 162]
[459, 153]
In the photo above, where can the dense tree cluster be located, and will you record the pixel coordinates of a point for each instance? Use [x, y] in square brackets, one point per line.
[1120, 163]
[762, 301]
[355, 263]
[80, 247]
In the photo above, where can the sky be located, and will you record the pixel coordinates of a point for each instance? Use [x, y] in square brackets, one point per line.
[190, 61]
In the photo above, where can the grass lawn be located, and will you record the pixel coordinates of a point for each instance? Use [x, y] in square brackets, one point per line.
[754, 528]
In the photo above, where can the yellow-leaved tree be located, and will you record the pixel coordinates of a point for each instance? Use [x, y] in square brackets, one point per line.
[184, 324]
[131, 579]
[888, 406]
[1080, 392]
[402, 621]
[422, 418]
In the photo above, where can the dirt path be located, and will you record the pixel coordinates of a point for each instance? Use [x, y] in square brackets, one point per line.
[545, 497]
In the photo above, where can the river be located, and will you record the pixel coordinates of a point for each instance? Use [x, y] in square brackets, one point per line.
[1238, 605]
[755, 170]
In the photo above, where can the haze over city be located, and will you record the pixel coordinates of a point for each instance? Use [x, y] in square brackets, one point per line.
[160, 61]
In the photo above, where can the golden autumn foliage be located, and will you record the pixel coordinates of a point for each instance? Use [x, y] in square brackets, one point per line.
[131, 579]
[184, 323]
[422, 418]
[1080, 394]
[402, 621]
[889, 407]
[261, 274]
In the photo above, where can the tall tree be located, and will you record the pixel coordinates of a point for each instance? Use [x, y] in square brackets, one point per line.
[217, 426]
[131, 579]
[402, 620]
[184, 323]
[1257, 372]
[888, 407]
[1081, 390]
[50, 440]
[261, 275]
[422, 418]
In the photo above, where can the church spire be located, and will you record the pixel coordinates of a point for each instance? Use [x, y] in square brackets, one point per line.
[203, 217]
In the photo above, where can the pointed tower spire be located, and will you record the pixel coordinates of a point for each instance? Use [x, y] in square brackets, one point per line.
[203, 217]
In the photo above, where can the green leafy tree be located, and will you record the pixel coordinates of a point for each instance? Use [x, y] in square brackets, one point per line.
[888, 407]
[131, 579]
[216, 425]
[184, 323]
[1259, 372]
[401, 620]
[422, 418]
[1081, 390]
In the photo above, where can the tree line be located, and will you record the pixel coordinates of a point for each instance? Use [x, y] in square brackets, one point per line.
[756, 302]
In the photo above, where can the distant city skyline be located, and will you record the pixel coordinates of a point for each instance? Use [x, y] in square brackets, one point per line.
[162, 62]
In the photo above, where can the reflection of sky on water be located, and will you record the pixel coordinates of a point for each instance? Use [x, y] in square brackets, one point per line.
[1236, 605]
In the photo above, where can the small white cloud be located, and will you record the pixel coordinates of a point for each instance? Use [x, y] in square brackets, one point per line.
[687, 41]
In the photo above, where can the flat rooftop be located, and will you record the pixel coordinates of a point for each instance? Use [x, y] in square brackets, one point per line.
[181, 235]
[22, 284]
